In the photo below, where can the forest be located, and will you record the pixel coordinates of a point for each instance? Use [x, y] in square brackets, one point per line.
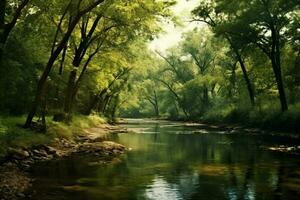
[68, 65]
[83, 58]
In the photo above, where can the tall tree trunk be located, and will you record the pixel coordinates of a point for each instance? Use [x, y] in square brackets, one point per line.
[156, 104]
[77, 82]
[2, 13]
[205, 96]
[156, 111]
[248, 82]
[46, 72]
[246, 77]
[177, 98]
[241, 62]
[52, 59]
[43, 114]
[105, 103]
[276, 65]
[69, 95]
[155, 107]
[5, 29]
[244, 70]
[115, 102]
[100, 105]
[280, 87]
[95, 100]
[232, 79]
[92, 104]
[39, 91]
[74, 84]
[63, 57]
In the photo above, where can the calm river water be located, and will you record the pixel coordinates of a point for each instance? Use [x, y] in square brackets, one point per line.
[170, 160]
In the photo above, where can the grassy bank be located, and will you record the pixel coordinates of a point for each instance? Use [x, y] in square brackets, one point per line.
[13, 135]
[267, 117]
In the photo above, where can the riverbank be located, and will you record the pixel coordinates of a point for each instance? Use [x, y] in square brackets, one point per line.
[84, 137]
[265, 118]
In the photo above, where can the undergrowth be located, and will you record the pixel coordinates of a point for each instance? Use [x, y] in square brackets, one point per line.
[13, 135]
[267, 116]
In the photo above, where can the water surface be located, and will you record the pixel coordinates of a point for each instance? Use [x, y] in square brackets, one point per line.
[170, 160]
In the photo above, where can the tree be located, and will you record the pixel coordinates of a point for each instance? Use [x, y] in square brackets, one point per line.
[6, 25]
[209, 14]
[102, 96]
[112, 29]
[149, 91]
[262, 23]
[56, 49]
[86, 41]
[203, 53]
[176, 68]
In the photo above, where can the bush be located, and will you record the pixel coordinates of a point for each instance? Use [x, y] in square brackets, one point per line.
[267, 117]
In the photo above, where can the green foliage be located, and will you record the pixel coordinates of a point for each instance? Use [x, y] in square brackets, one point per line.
[107, 55]
[17, 68]
[202, 77]
[103, 65]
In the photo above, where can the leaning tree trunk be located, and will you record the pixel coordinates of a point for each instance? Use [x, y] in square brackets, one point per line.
[2, 13]
[105, 103]
[246, 78]
[93, 102]
[244, 70]
[248, 83]
[6, 28]
[276, 65]
[278, 77]
[282, 95]
[73, 87]
[52, 59]
[114, 106]
[69, 95]
[39, 91]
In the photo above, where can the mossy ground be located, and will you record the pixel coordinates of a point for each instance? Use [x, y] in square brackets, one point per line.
[13, 135]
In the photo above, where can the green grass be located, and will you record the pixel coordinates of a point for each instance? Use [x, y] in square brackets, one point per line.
[79, 122]
[13, 135]
[268, 116]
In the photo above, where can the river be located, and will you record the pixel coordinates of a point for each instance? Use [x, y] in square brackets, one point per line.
[172, 160]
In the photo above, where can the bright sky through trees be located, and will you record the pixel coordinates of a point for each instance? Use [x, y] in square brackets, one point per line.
[172, 34]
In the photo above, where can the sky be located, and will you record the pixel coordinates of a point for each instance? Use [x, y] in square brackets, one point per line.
[172, 35]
